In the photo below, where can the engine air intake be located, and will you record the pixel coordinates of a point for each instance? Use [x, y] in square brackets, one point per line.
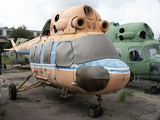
[78, 23]
[104, 25]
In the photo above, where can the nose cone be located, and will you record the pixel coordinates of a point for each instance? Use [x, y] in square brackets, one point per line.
[92, 78]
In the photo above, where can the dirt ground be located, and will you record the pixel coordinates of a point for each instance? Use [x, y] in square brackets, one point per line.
[45, 103]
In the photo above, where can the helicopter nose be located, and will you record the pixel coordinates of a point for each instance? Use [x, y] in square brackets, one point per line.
[92, 78]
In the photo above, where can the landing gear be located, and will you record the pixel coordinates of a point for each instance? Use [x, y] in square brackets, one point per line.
[13, 90]
[96, 110]
[64, 93]
[155, 89]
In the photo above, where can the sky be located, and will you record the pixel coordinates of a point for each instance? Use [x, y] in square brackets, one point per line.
[34, 13]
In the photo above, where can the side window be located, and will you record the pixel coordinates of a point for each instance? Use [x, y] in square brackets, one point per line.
[64, 54]
[119, 51]
[32, 54]
[135, 54]
[38, 53]
[47, 52]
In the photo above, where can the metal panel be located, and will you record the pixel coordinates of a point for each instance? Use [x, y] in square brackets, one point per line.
[47, 53]
[32, 53]
[64, 54]
[92, 78]
[93, 47]
[38, 53]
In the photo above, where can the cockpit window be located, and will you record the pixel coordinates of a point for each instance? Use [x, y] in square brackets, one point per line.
[135, 54]
[152, 51]
[93, 47]
[46, 28]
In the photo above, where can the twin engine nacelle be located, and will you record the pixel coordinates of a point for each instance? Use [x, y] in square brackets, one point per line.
[80, 23]
[77, 19]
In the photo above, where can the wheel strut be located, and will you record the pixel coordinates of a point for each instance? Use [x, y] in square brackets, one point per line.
[64, 93]
[100, 102]
[13, 90]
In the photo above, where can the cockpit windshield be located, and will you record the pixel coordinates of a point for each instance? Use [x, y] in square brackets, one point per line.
[93, 47]
[152, 51]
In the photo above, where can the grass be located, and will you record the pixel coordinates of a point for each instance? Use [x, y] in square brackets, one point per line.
[3, 111]
[105, 108]
[124, 94]
[5, 85]
[6, 61]
[16, 71]
[16, 84]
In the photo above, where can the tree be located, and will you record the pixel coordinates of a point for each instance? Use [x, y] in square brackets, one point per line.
[20, 32]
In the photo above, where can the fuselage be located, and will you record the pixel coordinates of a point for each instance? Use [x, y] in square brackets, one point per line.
[87, 64]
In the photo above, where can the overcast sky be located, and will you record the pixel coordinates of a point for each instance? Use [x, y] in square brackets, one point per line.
[34, 13]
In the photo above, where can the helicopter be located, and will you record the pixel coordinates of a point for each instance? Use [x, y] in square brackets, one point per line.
[137, 47]
[74, 53]
[19, 58]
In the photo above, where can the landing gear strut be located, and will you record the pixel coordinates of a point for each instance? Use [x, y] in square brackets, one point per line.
[96, 110]
[13, 90]
[155, 89]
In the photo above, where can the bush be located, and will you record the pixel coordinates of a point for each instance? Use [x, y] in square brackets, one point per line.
[125, 94]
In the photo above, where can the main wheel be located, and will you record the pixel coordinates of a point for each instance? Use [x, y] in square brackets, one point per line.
[92, 111]
[154, 90]
[100, 112]
[12, 92]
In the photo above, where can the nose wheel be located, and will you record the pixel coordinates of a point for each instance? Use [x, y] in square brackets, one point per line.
[96, 110]
[155, 89]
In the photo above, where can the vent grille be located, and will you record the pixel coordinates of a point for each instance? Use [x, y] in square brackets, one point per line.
[88, 25]
[94, 25]
[88, 11]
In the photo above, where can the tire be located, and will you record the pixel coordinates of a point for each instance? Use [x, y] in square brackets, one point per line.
[100, 112]
[154, 90]
[12, 92]
[4, 65]
[92, 111]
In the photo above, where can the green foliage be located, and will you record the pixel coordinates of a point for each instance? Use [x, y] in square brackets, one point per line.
[5, 85]
[3, 111]
[6, 60]
[22, 71]
[20, 32]
[124, 94]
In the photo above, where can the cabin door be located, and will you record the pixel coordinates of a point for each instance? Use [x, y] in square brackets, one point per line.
[63, 61]
[137, 63]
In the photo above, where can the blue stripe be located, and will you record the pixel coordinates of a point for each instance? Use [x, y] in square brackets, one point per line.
[110, 64]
